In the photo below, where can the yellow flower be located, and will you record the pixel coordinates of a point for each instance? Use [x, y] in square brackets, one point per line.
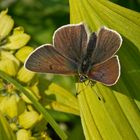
[25, 75]
[9, 67]
[9, 63]
[6, 24]
[9, 56]
[11, 107]
[28, 119]
[23, 134]
[23, 53]
[17, 40]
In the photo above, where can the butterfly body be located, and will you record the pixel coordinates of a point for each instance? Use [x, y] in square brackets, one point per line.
[86, 61]
[72, 53]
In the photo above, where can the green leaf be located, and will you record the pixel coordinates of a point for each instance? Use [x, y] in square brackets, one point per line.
[102, 12]
[114, 117]
[6, 132]
[61, 100]
[117, 115]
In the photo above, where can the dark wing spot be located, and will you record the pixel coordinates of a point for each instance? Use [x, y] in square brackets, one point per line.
[50, 66]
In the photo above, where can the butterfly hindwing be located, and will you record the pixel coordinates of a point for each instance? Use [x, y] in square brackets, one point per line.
[107, 72]
[47, 59]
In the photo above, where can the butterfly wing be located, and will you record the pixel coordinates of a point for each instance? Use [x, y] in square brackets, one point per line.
[47, 59]
[71, 41]
[107, 72]
[108, 43]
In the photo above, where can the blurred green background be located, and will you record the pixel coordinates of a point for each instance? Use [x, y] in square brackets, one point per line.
[40, 18]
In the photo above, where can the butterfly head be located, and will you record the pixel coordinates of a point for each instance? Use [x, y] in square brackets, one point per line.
[82, 78]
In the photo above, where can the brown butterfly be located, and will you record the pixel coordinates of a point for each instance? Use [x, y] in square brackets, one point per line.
[75, 53]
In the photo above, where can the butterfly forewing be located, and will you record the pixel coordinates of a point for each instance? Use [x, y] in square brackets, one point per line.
[47, 59]
[71, 40]
[108, 42]
[107, 72]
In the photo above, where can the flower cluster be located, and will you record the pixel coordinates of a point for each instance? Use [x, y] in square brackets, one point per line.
[14, 105]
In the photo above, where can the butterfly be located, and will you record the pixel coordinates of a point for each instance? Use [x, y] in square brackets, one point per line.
[76, 52]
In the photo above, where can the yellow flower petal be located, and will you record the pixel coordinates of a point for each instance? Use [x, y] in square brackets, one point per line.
[28, 119]
[35, 90]
[23, 134]
[23, 53]
[10, 56]
[25, 75]
[11, 107]
[18, 39]
[14, 126]
[9, 66]
[6, 24]
[3, 101]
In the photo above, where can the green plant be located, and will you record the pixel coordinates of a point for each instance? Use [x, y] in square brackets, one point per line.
[25, 96]
[19, 94]
[118, 117]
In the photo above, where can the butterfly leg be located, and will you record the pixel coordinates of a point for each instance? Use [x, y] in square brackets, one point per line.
[83, 88]
[81, 79]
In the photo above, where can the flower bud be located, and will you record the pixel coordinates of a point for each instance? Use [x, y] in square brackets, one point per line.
[6, 24]
[9, 67]
[11, 106]
[7, 55]
[17, 40]
[23, 134]
[13, 126]
[25, 75]
[35, 90]
[23, 53]
[28, 119]
[3, 102]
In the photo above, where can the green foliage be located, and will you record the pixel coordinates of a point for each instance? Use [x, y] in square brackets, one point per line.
[6, 132]
[62, 100]
[117, 116]
[15, 99]
[39, 18]
[28, 95]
